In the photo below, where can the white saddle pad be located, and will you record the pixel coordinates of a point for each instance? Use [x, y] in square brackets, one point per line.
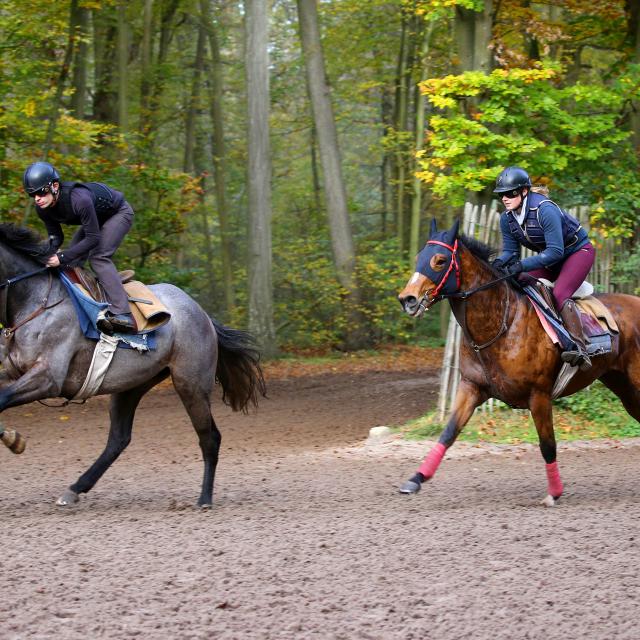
[583, 291]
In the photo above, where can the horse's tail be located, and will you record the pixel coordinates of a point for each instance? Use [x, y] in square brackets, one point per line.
[238, 369]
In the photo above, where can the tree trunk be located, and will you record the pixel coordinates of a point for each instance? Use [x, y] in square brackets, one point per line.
[261, 322]
[473, 31]
[219, 155]
[464, 35]
[334, 187]
[145, 67]
[80, 62]
[123, 59]
[421, 103]
[482, 52]
[104, 36]
[386, 117]
[167, 16]
[193, 101]
[400, 124]
[633, 40]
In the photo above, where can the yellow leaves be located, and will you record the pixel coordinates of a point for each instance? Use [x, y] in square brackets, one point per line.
[440, 163]
[30, 108]
[425, 176]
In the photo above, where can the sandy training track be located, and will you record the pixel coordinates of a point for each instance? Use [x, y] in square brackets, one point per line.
[308, 537]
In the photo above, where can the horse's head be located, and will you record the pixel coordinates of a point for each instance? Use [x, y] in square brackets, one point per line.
[437, 271]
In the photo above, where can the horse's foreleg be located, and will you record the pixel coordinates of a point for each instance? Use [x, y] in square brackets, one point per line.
[542, 413]
[468, 397]
[123, 408]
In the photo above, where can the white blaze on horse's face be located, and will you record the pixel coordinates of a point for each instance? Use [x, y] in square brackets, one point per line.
[411, 297]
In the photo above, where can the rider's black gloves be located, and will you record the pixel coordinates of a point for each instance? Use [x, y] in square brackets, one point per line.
[514, 268]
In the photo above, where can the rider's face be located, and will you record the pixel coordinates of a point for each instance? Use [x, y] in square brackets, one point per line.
[46, 197]
[513, 199]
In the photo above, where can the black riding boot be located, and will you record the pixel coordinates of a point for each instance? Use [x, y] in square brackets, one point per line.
[571, 318]
[117, 323]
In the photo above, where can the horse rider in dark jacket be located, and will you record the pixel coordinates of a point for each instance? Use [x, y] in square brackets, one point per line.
[104, 217]
[564, 254]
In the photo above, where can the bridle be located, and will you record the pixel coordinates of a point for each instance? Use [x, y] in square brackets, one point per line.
[432, 296]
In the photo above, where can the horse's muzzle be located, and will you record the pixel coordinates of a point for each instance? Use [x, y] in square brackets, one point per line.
[412, 305]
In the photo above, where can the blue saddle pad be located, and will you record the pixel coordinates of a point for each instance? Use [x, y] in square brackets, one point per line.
[88, 309]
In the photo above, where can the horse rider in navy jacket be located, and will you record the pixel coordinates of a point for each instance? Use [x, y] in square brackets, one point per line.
[564, 254]
[104, 217]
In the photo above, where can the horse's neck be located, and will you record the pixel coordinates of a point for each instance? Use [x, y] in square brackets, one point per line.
[482, 313]
[18, 296]
[14, 263]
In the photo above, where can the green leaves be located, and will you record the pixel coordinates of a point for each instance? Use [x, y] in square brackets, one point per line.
[563, 135]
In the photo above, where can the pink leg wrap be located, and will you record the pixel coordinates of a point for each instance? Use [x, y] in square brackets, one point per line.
[432, 461]
[553, 480]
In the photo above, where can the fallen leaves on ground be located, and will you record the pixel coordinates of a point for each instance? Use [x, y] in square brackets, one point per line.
[388, 358]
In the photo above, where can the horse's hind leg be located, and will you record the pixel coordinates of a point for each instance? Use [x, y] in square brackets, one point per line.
[542, 413]
[468, 397]
[196, 400]
[123, 408]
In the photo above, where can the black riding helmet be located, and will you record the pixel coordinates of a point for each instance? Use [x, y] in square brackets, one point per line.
[39, 175]
[512, 178]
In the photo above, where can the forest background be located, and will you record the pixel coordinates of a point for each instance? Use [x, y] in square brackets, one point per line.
[284, 158]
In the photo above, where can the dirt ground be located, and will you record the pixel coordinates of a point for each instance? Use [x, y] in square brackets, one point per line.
[308, 537]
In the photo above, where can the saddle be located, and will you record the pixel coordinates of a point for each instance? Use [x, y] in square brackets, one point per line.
[148, 311]
[598, 324]
[591, 309]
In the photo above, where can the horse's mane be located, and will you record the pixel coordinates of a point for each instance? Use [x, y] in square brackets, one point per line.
[25, 241]
[477, 248]
[481, 251]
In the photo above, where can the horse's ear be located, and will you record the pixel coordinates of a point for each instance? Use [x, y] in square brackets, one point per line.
[434, 228]
[453, 232]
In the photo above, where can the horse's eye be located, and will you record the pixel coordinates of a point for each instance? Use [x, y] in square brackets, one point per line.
[438, 262]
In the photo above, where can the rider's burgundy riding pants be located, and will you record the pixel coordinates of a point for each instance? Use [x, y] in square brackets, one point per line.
[570, 274]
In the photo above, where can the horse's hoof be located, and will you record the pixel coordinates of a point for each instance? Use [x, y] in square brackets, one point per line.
[410, 487]
[206, 506]
[549, 501]
[15, 442]
[67, 498]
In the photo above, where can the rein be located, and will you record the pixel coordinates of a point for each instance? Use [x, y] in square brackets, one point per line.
[8, 332]
[22, 276]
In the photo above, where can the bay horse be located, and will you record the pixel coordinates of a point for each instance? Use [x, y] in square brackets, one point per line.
[505, 352]
[45, 355]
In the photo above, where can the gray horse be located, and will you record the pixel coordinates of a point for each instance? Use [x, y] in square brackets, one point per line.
[45, 355]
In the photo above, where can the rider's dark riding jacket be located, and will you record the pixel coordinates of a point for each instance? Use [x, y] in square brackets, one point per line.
[87, 204]
[546, 229]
